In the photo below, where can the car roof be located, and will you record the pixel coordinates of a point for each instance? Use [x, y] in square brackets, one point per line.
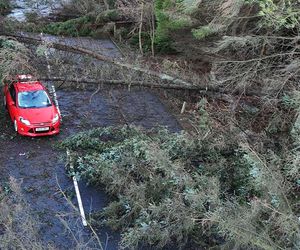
[29, 86]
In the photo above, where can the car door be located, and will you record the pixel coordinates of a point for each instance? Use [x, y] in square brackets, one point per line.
[11, 100]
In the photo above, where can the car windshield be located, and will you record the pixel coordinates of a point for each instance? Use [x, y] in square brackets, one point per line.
[33, 99]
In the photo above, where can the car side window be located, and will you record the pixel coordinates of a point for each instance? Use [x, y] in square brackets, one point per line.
[12, 92]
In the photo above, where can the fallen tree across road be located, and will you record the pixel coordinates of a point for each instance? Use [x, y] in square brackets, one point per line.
[210, 91]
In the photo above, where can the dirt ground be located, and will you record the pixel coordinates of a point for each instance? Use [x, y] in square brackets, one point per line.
[40, 166]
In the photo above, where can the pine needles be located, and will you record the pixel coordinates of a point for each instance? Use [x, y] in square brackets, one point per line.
[176, 189]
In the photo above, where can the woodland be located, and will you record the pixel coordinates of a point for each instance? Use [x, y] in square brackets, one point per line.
[230, 179]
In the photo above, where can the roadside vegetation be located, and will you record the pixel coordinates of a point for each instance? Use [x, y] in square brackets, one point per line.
[231, 178]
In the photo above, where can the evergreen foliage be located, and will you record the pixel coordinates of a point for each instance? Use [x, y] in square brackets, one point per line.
[203, 32]
[74, 27]
[278, 14]
[14, 58]
[167, 23]
[176, 188]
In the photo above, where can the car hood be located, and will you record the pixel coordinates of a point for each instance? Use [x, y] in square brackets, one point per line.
[38, 115]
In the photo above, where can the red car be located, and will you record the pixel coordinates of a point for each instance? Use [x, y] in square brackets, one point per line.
[30, 107]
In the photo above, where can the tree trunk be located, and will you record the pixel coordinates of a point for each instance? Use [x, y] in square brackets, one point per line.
[60, 46]
[209, 91]
[168, 81]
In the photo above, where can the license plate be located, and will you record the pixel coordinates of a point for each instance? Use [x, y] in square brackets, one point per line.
[42, 129]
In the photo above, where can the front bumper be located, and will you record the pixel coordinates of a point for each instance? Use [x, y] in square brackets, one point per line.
[31, 130]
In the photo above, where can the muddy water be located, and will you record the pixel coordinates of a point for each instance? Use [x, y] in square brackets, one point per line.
[38, 164]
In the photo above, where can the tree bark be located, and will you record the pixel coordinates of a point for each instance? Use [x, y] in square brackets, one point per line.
[60, 46]
[140, 29]
[210, 91]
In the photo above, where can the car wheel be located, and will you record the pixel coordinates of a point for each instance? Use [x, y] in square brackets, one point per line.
[15, 126]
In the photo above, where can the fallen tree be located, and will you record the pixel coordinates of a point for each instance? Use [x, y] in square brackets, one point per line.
[210, 91]
[166, 81]
[14, 58]
[180, 189]
[61, 46]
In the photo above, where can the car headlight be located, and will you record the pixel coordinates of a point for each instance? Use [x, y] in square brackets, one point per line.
[55, 119]
[24, 121]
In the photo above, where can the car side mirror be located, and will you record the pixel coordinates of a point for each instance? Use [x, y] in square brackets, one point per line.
[11, 103]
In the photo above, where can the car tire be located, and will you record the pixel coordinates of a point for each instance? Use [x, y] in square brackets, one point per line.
[16, 126]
